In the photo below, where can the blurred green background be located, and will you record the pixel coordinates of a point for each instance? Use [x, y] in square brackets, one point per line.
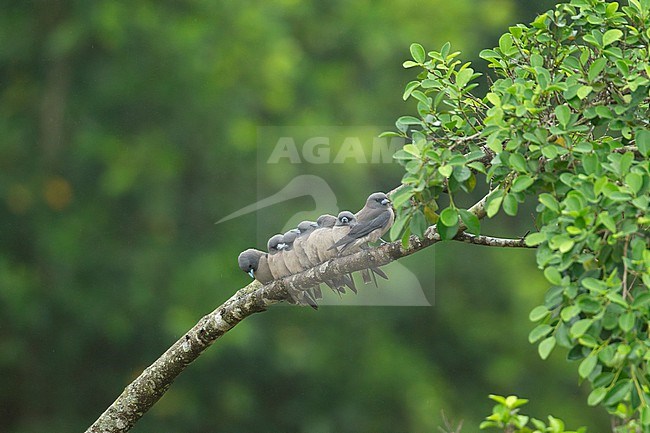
[128, 128]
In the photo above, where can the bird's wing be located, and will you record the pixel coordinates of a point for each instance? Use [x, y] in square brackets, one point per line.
[364, 228]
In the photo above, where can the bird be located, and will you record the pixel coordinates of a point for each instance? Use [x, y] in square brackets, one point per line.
[316, 250]
[324, 224]
[275, 260]
[254, 263]
[373, 220]
[290, 259]
[289, 254]
[344, 221]
[305, 228]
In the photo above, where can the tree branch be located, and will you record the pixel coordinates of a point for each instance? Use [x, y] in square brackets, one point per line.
[153, 382]
[490, 241]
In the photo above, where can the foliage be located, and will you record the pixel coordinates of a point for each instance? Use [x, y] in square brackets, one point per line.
[505, 415]
[126, 125]
[566, 121]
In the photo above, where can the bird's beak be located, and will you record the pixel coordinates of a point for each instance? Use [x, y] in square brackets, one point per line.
[282, 246]
[385, 201]
[314, 225]
[251, 273]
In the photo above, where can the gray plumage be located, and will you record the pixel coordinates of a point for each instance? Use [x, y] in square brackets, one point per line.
[275, 260]
[289, 253]
[373, 220]
[344, 222]
[305, 228]
[312, 246]
[254, 263]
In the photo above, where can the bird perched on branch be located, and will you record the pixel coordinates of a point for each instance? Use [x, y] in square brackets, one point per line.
[306, 228]
[289, 253]
[254, 263]
[313, 243]
[373, 220]
[317, 250]
[275, 259]
[313, 247]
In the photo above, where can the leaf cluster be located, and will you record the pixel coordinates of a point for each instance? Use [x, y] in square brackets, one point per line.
[565, 119]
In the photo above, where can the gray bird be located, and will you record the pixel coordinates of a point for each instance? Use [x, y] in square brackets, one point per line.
[290, 257]
[289, 253]
[316, 250]
[324, 223]
[373, 221]
[254, 263]
[275, 259]
[344, 222]
[305, 228]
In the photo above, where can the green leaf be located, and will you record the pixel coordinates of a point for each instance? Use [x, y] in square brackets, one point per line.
[538, 332]
[642, 139]
[505, 43]
[538, 313]
[409, 120]
[401, 196]
[553, 275]
[446, 170]
[510, 205]
[611, 36]
[618, 392]
[563, 114]
[626, 321]
[584, 91]
[569, 312]
[617, 299]
[634, 181]
[449, 217]
[550, 151]
[594, 285]
[406, 236]
[550, 202]
[645, 415]
[587, 365]
[596, 68]
[494, 202]
[463, 77]
[418, 223]
[596, 396]
[447, 232]
[409, 88]
[580, 327]
[535, 239]
[546, 347]
[521, 183]
[462, 173]
[641, 300]
[412, 149]
[605, 219]
[588, 304]
[471, 221]
[398, 225]
[418, 53]
[518, 162]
